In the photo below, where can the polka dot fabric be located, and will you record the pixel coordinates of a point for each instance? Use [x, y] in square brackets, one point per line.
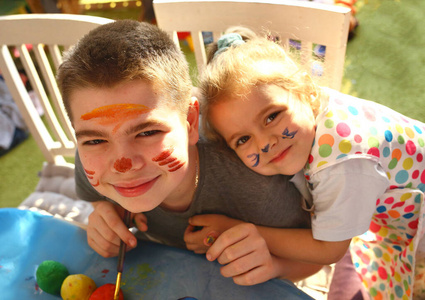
[352, 128]
[385, 257]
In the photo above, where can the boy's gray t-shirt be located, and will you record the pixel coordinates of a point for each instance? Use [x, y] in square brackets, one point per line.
[225, 186]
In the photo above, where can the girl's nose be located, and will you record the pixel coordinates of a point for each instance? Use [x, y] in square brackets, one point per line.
[266, 148]
[267, 143]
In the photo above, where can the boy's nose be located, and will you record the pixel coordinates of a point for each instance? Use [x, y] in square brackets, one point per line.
[123, 164]
[126, 160]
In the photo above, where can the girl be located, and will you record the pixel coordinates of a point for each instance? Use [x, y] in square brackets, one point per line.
[362, 161]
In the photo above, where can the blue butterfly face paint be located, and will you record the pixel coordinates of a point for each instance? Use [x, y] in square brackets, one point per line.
[255, 159]
[288, 135]
[266, 149]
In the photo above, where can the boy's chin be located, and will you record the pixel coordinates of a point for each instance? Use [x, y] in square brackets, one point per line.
[137, 204]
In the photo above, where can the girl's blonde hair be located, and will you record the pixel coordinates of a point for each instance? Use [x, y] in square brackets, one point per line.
[236, 71]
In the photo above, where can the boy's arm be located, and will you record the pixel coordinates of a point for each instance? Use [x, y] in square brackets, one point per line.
[245, 257]
[106, 229]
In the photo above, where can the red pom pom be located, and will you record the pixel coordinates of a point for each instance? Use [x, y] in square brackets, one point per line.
[106, 291]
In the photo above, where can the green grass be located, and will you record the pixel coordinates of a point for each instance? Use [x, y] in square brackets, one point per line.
[384, 63]
[18, 172]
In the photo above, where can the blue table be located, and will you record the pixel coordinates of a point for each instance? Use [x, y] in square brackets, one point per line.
[151, 271]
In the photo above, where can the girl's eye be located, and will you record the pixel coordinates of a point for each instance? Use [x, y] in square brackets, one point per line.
[242, 140]
[149, 132]
[271, 117]
[94, 142]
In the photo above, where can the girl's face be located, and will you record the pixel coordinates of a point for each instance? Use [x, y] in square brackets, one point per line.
[270, 130]
[134, 149]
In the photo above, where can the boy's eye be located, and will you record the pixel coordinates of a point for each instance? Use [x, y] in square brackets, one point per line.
[149, 133]
[271, 117]
[94, 142]
[242, 140]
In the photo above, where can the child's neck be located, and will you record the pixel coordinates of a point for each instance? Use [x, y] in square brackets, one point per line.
[181, 200]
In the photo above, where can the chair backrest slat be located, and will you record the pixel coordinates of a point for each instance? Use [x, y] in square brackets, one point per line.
[306, 22]
[40, 40]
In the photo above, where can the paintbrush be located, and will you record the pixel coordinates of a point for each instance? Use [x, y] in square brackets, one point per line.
[121, 256]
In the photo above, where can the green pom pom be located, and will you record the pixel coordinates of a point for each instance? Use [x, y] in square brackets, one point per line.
[50, 275]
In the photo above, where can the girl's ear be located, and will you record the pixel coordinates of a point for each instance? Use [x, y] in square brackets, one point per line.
[193, 121]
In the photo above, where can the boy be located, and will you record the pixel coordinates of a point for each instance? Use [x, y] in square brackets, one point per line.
[127, 91]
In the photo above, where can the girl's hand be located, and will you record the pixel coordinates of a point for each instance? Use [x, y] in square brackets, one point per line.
[204, 229]
[106, 229]
[244, 254]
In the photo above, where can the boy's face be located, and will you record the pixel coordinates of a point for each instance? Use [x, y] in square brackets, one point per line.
[270, 130]
[134, 149]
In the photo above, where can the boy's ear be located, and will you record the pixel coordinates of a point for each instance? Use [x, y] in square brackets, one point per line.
[193, 121]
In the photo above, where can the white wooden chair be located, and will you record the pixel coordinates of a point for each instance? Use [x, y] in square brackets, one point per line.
[294, 22]
[48, 35]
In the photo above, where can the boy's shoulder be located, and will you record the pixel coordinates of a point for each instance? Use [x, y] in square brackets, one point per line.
[213, 154]
[219, 160]
[209, 147]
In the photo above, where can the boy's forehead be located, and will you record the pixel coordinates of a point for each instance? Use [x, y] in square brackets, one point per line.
[136, 92]
[127, 102]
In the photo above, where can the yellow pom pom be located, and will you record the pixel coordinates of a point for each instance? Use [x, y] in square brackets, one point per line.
[77, 286]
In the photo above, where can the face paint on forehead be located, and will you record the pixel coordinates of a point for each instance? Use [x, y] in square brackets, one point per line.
[166, 158]
[116, 114]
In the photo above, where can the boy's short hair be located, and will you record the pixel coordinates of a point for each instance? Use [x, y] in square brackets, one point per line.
[122, 51]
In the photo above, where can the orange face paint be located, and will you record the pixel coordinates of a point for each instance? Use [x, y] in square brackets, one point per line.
[115, 114]
[123, 165]
[165, 158]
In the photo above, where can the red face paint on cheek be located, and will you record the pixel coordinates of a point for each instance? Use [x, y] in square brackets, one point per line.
[163, 155]
[90, 176]
[123, 165]
[178, 166]
[89, 172]
[165, 158]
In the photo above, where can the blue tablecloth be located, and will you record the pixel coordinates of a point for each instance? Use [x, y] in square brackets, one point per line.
[151, 271]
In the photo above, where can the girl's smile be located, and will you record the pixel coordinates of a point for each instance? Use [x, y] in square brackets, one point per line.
[280, 156]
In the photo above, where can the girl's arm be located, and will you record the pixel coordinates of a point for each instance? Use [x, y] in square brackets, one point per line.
[299, 244]
[293, 244]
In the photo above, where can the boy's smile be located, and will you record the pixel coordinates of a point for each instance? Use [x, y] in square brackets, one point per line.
[270, 129]
[134, 147]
